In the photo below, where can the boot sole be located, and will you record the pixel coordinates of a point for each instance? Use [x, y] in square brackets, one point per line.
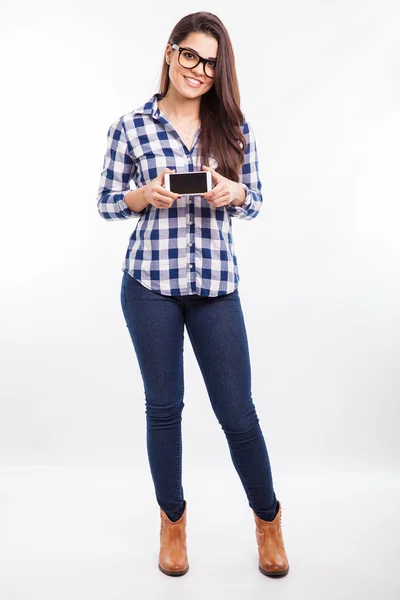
[274, 573]
[173, 573]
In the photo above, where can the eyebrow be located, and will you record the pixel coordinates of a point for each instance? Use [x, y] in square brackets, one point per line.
[195, 51]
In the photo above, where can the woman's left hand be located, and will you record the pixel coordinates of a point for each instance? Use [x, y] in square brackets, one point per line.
[225, 190]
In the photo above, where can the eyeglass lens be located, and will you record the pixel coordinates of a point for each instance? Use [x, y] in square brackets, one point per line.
[189, 60]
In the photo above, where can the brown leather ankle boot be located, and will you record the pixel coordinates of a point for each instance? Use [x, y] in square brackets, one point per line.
[271, 549]
[172, 559]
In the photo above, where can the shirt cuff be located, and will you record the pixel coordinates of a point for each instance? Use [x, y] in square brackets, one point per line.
[233, 209]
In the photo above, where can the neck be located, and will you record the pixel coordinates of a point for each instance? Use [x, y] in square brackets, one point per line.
[179, 107]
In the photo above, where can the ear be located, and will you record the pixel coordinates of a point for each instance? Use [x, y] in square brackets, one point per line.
[168, 54]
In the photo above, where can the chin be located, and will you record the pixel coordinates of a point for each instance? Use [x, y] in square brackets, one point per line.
[190, 93]
[195, 93]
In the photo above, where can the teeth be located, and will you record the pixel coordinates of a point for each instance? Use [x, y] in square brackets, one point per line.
[193, 80]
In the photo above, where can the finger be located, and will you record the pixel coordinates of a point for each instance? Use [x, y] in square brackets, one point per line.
[216, 190]
[219, 196]
[224, 198]
[163, 201]
[222, 202]
[163, 192]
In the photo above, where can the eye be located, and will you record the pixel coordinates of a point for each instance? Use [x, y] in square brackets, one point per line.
[188, 55]
[212, 63]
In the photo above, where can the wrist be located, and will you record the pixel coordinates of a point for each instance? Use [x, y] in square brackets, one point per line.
[136, 199]
[240, 195]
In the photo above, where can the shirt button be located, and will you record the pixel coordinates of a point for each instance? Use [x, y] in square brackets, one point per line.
[190, 222]
[190, 266]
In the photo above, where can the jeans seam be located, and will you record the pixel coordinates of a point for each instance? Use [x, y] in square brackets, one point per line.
[179, 442]
[124, 306]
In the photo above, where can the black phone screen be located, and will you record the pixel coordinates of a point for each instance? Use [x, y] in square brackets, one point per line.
[188, 183]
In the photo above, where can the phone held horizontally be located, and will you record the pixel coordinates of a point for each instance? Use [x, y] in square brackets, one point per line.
[188, 183]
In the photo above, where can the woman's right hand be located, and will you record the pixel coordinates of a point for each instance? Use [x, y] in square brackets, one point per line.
[157, 195]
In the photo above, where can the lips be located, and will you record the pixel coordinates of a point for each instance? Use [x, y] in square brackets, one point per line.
[198, 84]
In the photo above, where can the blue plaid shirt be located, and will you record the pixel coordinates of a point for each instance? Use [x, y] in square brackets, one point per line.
[187, 248]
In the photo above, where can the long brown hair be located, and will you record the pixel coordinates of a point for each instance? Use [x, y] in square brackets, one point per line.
[220, 112]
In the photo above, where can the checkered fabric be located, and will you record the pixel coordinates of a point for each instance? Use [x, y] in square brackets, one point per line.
[187, 248]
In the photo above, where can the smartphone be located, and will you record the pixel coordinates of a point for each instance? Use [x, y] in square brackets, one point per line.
[189, 182]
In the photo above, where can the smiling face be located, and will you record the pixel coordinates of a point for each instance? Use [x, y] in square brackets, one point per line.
[192, 82]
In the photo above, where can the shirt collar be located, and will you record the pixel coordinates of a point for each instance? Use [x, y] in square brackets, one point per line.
[150, 107]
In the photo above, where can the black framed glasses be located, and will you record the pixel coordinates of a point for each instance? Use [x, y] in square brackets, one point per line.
[189, 59]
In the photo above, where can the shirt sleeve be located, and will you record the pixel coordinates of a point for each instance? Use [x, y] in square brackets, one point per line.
[249, 179]
[118, 169]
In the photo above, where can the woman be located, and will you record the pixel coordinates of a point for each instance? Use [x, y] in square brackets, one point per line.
[181, 269]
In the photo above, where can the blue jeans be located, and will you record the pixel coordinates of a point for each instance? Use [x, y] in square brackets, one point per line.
[216, 328]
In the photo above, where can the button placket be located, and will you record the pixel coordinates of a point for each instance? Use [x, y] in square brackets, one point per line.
[190, 204]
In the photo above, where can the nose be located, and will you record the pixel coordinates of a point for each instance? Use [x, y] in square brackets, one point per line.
[198, 71]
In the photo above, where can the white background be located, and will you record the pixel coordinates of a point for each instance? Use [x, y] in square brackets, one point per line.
[320, 291]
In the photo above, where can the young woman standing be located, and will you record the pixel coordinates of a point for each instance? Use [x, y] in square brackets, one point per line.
[181, 269]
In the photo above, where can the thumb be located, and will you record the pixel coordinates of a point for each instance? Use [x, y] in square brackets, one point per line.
[166, 170]
[215, 176]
